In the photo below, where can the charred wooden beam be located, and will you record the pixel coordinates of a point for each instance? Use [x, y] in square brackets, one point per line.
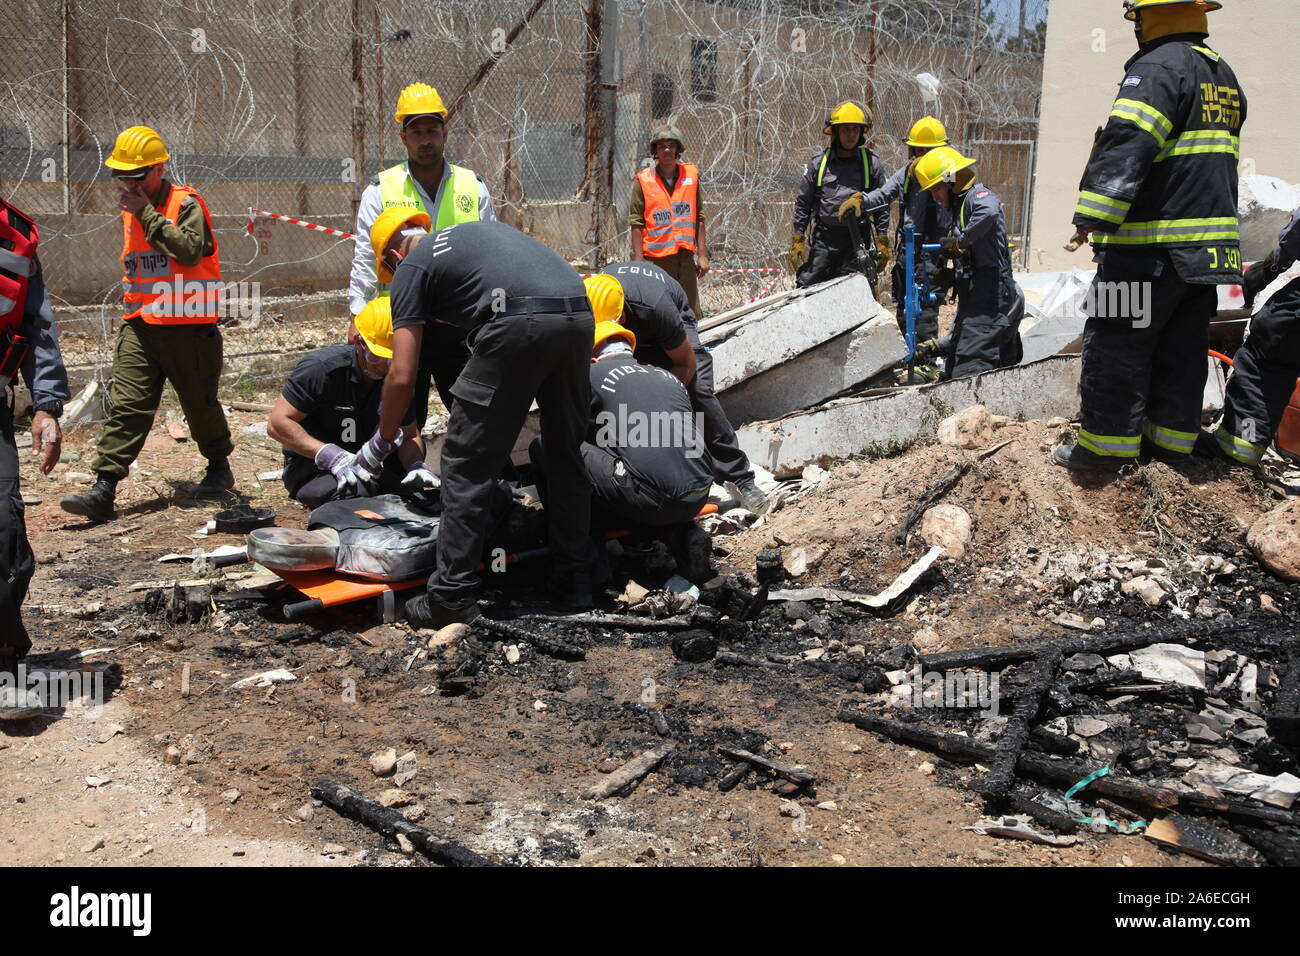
[1284, 718]
[996, 658]
[501, 630]
[625, 778]
[1002, 774]
[801, 778]
[626, 622]
[1082, 685]
[734, 776]
[1278, 849]
[1067, 772]
[1048, 817]
[931, 495]
[1056, 744]
[390, 823]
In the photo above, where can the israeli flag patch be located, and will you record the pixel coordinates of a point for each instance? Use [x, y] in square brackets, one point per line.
[1132, 81]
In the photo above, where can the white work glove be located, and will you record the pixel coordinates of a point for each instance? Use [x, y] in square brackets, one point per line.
[372, 455]
[420, 478]
[350, 475]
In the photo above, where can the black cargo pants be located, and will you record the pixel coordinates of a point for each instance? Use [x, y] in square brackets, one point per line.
[513, 358]
[1263, 379]
[1144, 356]
[986, 333]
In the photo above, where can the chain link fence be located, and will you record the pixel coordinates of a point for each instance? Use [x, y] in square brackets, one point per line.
[286, 106]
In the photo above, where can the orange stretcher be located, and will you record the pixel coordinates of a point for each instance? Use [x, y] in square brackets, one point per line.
[328, 588]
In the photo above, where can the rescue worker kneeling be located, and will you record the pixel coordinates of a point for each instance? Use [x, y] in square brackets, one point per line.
[986, 334]
[645, 452]
[328, 410]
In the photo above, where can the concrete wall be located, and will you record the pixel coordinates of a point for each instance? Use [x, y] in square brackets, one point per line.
[1087, 45]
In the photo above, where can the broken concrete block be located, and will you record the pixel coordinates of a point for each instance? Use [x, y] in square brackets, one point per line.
[772, 336]
[970, 428]
[1264, 205]
[1275, 539]
[1170, 664]
[949, 527]
[881, 423]
[825, 370]
[1054, 324]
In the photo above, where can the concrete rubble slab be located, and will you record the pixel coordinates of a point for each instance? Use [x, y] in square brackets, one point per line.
[857, 426]
[770, 336]
[822, 372]
[1264, 204]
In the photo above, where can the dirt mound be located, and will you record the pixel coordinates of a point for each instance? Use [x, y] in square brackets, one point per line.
[1030, 519]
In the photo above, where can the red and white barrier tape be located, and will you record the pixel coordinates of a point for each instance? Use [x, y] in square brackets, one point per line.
[767, 288]
[297, 222]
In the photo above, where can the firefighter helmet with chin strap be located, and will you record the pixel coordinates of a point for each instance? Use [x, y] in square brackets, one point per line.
[1134, 7]
[847, 113]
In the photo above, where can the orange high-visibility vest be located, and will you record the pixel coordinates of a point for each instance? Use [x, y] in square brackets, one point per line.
[157, 288]
[17, 265]
[669, 220]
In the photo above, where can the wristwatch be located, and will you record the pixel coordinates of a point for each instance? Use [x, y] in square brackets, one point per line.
[53, 406]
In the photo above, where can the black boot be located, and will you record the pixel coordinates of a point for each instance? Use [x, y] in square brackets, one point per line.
[96, 504]
[423, 612]
[217, 480]
[694, 548]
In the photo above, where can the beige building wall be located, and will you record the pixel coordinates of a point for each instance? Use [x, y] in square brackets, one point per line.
[1088, 43]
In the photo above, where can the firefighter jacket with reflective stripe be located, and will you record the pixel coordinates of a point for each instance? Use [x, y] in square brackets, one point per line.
[981, 230]
[459, 201]
[18, 240]
[157, 288]
[669, 220]
[1163, 173]
[830, 179]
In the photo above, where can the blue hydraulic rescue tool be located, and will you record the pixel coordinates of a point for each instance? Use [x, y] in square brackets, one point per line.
[917, 294]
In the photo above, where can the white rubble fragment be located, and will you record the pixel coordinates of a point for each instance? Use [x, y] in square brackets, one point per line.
[1170, 664]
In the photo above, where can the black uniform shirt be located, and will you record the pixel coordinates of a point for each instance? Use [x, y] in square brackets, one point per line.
[643, 415]
[656, 309]
[460, 274]
[341, 405]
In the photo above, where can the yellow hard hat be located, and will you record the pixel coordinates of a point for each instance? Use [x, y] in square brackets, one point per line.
[137, 148]
[1133, 7]
[612, 330]
[419, 99]
[386, 224]
[848, 112]
[375, 326]
[927, 133]
[606, 296]
[942, 163]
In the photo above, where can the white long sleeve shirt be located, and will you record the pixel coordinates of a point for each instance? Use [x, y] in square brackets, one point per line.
[364, 280]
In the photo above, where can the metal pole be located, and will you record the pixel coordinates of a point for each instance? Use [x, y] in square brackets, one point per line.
[358, 107]
[67, 112]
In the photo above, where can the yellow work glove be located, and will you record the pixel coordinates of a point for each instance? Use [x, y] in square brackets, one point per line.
[883, 247]
[853, 203]
[798, 251]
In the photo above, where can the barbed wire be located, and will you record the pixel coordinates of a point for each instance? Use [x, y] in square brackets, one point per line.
[286, 105]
